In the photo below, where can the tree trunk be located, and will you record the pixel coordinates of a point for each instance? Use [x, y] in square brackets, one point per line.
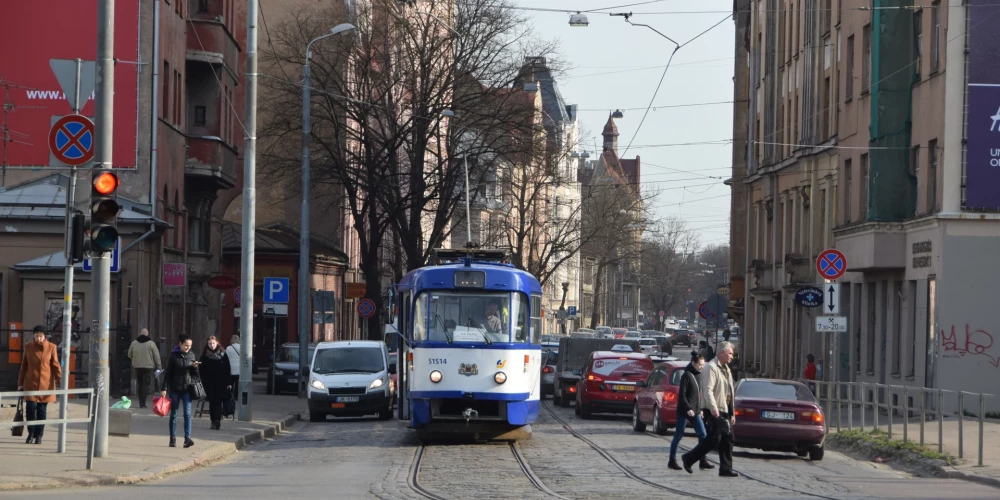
[595, 313]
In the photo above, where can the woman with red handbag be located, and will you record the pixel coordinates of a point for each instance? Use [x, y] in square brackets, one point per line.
[40, 371]
[179, 376]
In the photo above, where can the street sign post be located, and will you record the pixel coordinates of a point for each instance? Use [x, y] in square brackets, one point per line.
[238, 296]
[831, 324]
[571, 310]
[71, 140]
[831, 299]
[809, 296]
[275, 310]
[276, 291]
[704, 312]
[831, 264]
[116, 259]
[366, 308]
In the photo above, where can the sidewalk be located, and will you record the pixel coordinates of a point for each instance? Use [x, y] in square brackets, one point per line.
[966, 468]
[142, 456]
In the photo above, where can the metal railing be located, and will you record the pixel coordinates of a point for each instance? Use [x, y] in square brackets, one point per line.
[891, 400]
[90, 420]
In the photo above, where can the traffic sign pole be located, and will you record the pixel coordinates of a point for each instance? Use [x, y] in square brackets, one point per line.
[249, 215]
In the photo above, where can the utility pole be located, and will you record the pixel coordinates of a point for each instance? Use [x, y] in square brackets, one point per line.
[100, 276]
[249, 217]
[68, 284]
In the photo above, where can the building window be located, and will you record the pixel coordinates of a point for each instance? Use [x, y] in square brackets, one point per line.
[911, 294]
[165, 108]
[897, 328]
[824, 126]
[827, 15]
[915, 172]
[863, 201]
[932, 166]
[848, 181]
[202, 6]
[935, 37]
[199, 115]
[918, 35]
[866, 70]
[870, 329]
[200, 226]
[849, 81]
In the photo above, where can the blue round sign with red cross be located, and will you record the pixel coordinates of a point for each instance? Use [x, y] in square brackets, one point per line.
[366, 308]
[71, 140]
[831, 264]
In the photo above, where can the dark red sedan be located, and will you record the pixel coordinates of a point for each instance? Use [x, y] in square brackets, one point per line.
[609, 383]
[656, 399]
[779, 415]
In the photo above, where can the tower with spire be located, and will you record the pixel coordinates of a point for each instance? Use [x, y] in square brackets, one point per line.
[610, 135]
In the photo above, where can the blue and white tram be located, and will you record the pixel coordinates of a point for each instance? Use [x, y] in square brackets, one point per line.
[472, 350]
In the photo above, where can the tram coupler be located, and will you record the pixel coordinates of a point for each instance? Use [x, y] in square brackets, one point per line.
[469, 414]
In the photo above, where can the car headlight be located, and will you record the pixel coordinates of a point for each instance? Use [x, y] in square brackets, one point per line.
[279, 372]
[317, 384]
[500, 377]
[376, 383]
[436, 376]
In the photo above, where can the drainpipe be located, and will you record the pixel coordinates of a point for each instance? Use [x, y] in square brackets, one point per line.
[156, 99]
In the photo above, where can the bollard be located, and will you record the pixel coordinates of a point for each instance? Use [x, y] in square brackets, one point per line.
[839, 405]
[888, 403]
[850, 405]
[863, 408]
[829, 407]
[923, 413]
[940, 419]
[875, 406]
[961, 424]
[982, 411]
[906, 415]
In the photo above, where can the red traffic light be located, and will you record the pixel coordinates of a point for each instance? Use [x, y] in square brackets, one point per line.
[106, 183]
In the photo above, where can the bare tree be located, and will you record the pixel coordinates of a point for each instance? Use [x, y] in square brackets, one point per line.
[668, 265]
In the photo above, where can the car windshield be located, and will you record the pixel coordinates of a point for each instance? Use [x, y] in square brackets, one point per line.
[550, 357]
[471, 317]
[675, 376]
[290, 354]
[774, 390]
[349, 360]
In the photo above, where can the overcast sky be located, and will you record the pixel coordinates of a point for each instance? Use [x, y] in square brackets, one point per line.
[614, 65]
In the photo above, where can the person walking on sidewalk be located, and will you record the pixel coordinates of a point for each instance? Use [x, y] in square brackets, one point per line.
[179, 375]
[145, 356]
[215, 375]
[40, 371]
[689, 409]
[235, 354]
[717, 396]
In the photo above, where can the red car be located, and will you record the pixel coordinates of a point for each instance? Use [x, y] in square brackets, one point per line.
[609, 382]
[778, 415]
[655, 401]
[619, 333]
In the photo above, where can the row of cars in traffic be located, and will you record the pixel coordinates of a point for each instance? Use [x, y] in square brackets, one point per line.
[771, 414]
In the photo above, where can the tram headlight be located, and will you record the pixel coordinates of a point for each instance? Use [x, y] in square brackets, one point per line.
[500, 377]
[317, 384]
[436, 376]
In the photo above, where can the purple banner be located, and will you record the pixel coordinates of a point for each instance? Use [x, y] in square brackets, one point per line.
[982, 170]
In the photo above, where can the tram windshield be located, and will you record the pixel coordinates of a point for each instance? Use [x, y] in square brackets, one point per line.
[471, 317]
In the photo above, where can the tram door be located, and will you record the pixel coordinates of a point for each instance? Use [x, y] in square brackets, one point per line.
[402, 363]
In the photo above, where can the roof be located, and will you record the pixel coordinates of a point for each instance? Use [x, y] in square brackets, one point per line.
[45, 199]
[50, 262]
[535, 69]
[610, 128]
[279, 238]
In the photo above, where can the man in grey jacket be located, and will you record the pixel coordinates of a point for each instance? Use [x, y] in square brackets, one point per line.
[145, 356]
[717, 396]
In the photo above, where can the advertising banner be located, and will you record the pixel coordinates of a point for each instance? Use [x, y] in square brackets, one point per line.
[982, 181]
[33, 35]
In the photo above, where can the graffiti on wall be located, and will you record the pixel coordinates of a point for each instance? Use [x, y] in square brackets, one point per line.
[971, 343]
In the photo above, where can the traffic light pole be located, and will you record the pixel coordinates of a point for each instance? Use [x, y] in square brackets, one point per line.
[67, 327]
[100, 275]
[249, 217]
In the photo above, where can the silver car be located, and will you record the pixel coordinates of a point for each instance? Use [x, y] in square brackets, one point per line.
[550, 355]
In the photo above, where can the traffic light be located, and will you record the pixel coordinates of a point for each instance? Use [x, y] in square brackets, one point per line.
[78, 237]
[104, 210]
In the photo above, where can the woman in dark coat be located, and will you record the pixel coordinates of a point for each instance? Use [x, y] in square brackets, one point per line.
[180, 374]
[216, 379]
[689, 409]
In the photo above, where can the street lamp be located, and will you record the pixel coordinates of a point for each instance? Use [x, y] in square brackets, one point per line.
[303, 298]
[579, 20]
[468, 211]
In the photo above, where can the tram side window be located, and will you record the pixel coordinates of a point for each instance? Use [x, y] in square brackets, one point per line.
[536, 319]
[405, 322]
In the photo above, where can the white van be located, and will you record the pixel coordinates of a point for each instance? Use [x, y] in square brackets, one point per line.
[351, 378]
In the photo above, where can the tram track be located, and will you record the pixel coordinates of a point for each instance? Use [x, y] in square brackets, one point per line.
[633, 475]
[413, 479]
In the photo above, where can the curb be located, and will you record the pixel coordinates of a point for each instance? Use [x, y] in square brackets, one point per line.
[210, 455]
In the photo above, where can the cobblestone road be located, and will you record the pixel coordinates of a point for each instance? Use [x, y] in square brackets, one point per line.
[366, 458]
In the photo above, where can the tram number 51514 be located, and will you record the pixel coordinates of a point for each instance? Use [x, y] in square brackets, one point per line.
[437, 361]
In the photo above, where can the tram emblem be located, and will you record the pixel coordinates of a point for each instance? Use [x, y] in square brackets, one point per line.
[501, 363]
[468, 369]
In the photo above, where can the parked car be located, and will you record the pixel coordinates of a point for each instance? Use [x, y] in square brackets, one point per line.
[656, 398]
[778, 415]
[609, 381]
[283, 374]
[350, 378]
[550, 356]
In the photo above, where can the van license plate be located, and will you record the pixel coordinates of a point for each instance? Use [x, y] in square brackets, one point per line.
[627, 388]
[348, 399]
[293, 381]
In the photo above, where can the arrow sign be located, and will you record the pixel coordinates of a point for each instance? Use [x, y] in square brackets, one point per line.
[832, 303]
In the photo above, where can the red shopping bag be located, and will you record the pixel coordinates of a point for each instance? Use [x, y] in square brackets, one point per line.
[161, 406]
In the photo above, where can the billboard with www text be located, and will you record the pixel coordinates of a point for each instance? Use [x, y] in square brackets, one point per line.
[35, 32]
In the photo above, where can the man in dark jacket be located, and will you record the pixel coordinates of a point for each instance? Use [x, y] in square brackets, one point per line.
[145, 356]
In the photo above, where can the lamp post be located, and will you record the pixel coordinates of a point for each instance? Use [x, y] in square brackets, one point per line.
[303, 298]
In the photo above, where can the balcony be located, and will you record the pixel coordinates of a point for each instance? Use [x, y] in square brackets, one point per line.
[798, 270]
[209, 41]
[212, 161]
[873, 246]
[762, 276]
